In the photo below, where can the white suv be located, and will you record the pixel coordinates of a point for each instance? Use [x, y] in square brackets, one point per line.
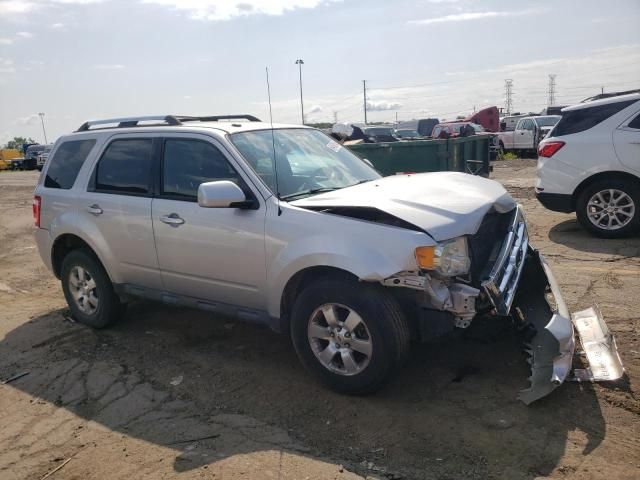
[590, 163]
[282, 226]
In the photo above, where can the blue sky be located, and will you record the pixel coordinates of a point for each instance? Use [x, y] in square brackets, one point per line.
[80, 59]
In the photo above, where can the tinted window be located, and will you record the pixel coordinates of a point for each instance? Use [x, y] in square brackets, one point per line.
[65, 164]
[125, 167]
[635, 123]
[586, 118]
[188, 163]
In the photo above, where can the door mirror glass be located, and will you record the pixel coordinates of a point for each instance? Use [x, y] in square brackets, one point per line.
[221, 194]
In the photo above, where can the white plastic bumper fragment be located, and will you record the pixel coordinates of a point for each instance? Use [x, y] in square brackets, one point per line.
[599, 346]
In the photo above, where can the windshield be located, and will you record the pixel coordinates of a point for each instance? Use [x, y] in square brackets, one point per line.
[477, 128]
[308, 161]
[548, 121]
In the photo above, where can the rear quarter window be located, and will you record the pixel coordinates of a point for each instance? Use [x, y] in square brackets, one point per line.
[577, 121]
[65, 164]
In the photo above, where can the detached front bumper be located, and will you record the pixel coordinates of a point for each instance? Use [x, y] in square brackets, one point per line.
[521, 284]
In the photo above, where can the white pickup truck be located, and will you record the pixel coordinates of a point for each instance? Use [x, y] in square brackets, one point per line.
[528, 133]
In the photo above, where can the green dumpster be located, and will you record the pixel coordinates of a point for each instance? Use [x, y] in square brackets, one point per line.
[464, 154]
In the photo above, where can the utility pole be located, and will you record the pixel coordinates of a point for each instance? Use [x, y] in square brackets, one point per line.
[508, 93]
[364, 86]
[396, 119]
[602, 90]
[300, 62]
[552, 90]
[335, 116]
[43, 130]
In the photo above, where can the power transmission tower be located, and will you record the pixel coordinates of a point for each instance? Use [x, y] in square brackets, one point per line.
[508, 93]
[552, 90]
[364, 86]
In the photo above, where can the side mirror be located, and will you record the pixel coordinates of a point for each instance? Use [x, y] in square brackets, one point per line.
[368, 162]
[221, 194]
[503, 126]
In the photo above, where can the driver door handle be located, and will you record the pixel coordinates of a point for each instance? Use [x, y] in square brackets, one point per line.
[94, 209]
[172, 219]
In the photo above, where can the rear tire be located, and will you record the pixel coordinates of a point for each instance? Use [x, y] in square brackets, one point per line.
[353, 336]
[88, 290]
[610, 208]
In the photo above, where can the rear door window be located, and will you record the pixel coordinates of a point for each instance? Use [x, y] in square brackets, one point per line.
[125, 167]
[577, 121]
[65, 164]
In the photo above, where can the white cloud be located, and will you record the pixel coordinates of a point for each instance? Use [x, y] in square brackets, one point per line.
[6, 41]
[226, 9]
[314, 109]
[24, 34]
[6, 65]
[115, 66]
[15, 7]
[57, 26]
[382, 106]
[462, 17]
[32, 119]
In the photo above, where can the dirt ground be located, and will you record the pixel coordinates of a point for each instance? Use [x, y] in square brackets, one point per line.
[174, 393]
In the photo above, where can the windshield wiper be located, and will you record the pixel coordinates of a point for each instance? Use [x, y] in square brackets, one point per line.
[309, 192]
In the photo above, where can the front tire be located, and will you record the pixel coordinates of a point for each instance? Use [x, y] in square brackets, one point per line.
[353, 336]
[88, 290]
[610, 208]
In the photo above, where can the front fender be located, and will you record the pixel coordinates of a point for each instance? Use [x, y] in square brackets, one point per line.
[371, 252]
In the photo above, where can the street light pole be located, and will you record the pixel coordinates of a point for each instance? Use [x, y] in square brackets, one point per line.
[41, 114]
[300, 62]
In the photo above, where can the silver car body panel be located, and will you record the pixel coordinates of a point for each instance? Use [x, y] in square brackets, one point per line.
[425, 200]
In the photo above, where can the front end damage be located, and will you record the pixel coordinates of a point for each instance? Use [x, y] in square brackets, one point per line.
[514, 280]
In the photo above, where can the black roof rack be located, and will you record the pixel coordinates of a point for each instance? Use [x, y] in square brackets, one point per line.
[169, 120]
[216, 118]
[600, 96]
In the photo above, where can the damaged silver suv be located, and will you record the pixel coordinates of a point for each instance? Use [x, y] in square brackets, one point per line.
[280, 225]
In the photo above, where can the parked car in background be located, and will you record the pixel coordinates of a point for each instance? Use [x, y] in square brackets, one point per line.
[380, 134]
[508, 123]
[528, 133]
[454, 129]
[590, 163]
[424, 126]
[553, 110]
[42, 157]
[405, 134]
[353, 266]
[31, 156]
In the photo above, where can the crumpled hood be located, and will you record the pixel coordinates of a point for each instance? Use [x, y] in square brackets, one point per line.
[444, 204]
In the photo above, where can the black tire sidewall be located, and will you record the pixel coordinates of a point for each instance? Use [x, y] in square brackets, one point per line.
[108, 302]
[366, 301]
[630, 188]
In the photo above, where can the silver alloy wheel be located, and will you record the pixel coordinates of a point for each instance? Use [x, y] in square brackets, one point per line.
[83, 289]
[610, 209]
[339, 339]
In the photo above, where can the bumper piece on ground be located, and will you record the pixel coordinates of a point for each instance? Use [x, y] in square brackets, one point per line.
[599, 346]
[551, 338]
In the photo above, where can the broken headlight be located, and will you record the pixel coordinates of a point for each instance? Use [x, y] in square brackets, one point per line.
[450, 258]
